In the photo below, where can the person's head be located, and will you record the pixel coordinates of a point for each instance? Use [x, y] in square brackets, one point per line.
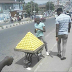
[67, 11]
[59, 11]
[37, 20]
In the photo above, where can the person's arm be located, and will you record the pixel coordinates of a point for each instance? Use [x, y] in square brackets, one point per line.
[69, 27]
[6, 61]
[44, 30]
[57, 29]
[35, 30]
[43, 26]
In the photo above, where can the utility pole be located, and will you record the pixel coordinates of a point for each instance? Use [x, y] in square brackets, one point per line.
[57, 2]
[31, 7]
[49, 6]
[19, 4]
[69, 3]
[24, 5]
[34, 8]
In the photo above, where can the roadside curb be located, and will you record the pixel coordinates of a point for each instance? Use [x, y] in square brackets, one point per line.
[4, 27]
[17, 24]
[14, 25]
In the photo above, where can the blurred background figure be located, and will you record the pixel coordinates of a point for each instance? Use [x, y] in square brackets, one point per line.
[6, 62]
[11, 20]
[68, 13]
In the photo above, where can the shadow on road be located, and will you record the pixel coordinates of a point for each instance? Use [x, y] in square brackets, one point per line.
[34, 60]
[53, 53]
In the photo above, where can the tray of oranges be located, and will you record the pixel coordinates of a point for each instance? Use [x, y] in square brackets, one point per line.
[30, 43]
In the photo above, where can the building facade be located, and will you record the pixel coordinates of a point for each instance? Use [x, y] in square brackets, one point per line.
[42, 7]
[10, 5]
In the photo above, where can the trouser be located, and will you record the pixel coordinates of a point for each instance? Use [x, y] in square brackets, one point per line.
[42, 39]
[64, 42]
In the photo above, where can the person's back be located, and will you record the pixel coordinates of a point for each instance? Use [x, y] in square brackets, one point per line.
[63, 20]
[63, 25]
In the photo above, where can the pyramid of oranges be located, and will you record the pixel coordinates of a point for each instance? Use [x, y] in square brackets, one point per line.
[29, 42]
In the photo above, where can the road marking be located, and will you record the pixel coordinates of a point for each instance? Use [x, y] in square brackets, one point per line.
[53, 46]
[50, 33]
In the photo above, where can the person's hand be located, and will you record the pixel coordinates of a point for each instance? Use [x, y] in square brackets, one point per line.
[36, 29]
[68, 31]
[8, 60]
[56, 38]
[39, 29]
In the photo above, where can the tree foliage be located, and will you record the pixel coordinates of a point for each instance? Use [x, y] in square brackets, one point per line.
[49, 5]
[28, 7]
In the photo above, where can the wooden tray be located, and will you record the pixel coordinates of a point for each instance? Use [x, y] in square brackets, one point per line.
[29, 51]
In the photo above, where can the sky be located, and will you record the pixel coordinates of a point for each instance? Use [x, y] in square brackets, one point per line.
[39, 1]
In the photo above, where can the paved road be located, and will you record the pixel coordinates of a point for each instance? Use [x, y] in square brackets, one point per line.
[10, 37]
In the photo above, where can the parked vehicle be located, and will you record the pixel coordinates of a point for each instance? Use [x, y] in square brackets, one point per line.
[42, 18]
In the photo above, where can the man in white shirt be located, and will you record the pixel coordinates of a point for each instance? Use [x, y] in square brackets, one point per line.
[63, 25]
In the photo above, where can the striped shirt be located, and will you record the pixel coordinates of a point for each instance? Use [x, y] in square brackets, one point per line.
[63, 20]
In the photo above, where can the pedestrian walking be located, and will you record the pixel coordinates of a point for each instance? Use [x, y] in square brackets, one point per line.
[63, 25]
[39, 29]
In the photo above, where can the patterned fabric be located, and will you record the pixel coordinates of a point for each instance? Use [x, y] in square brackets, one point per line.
[63, 20]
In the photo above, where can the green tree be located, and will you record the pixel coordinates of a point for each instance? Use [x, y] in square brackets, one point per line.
[23, 5]
[28, 7]
[49, 5]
